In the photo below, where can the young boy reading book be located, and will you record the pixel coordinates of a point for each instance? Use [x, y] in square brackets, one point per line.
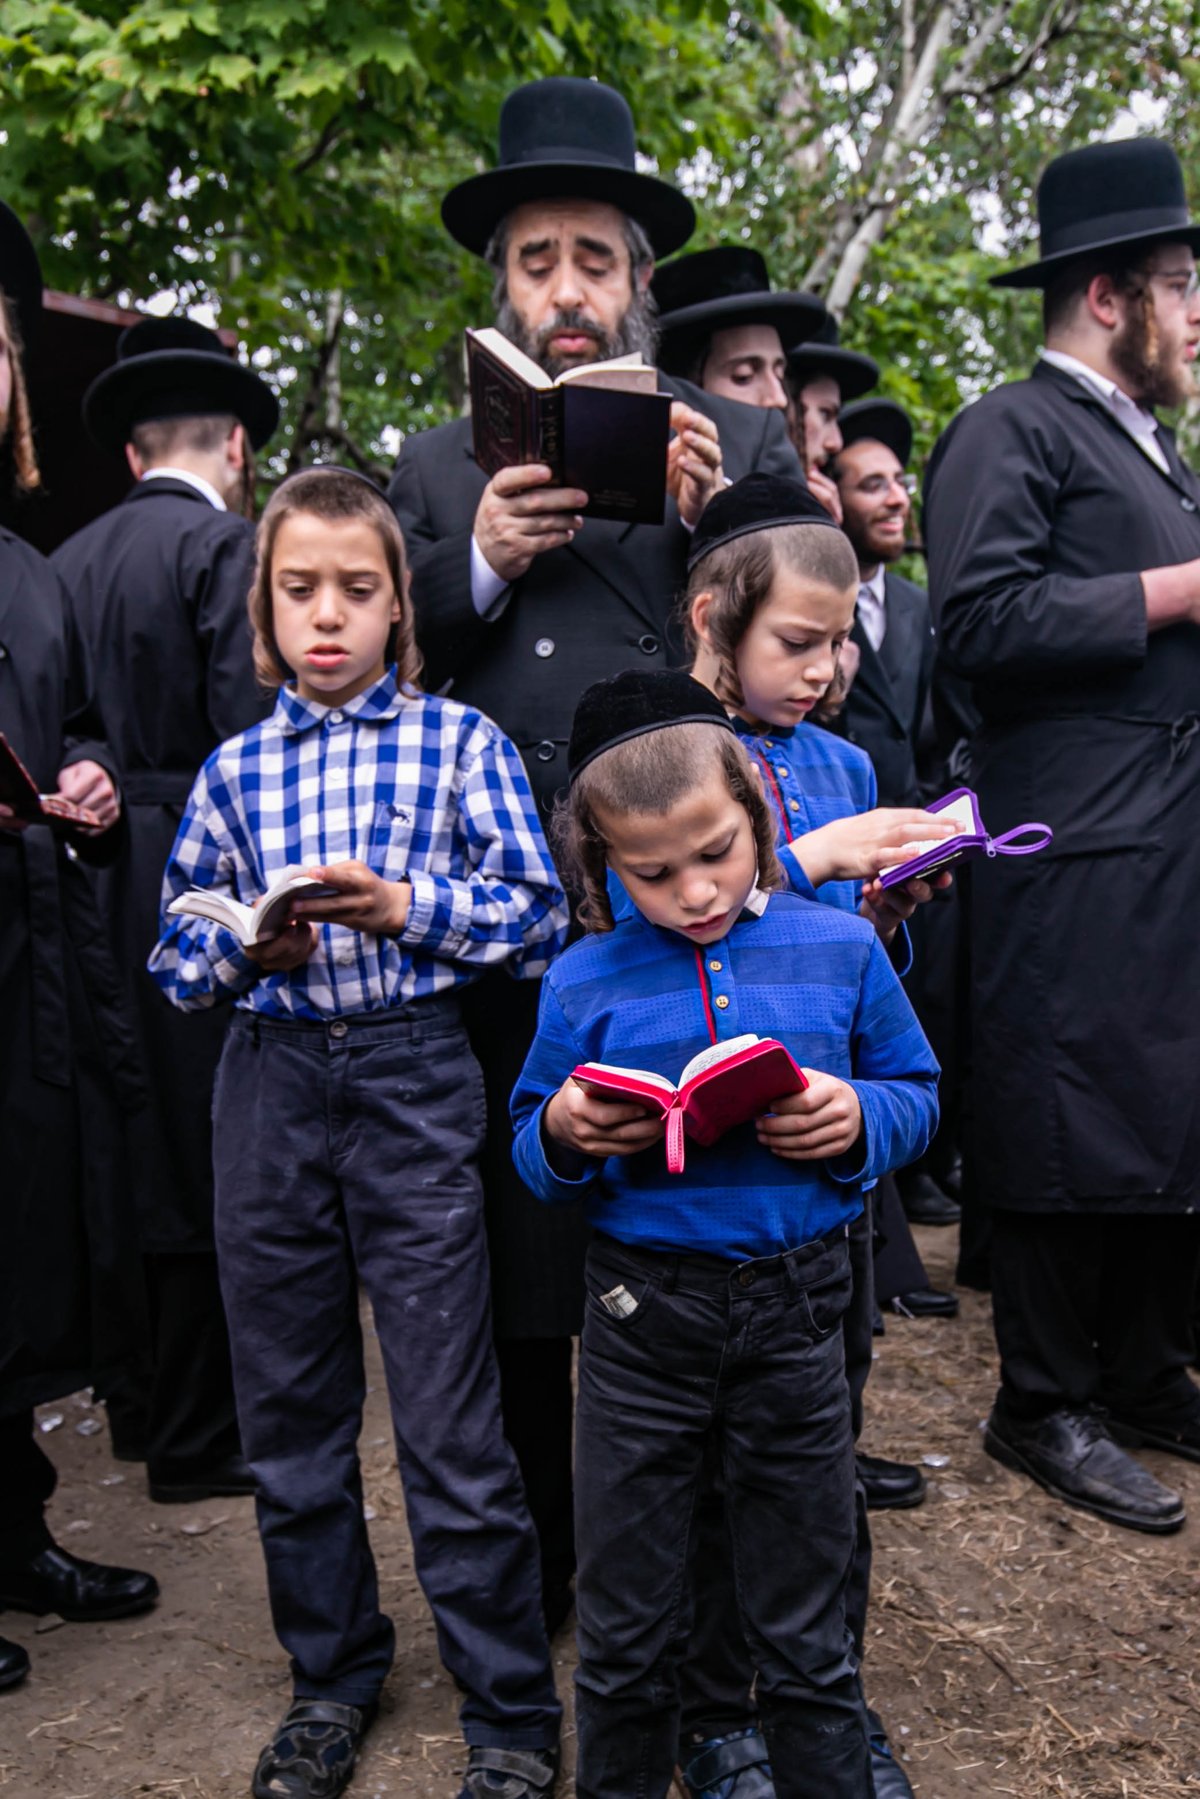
[715, 1295]
[348, 1120]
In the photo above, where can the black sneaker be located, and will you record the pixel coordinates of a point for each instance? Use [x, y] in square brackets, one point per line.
[1072, 1455]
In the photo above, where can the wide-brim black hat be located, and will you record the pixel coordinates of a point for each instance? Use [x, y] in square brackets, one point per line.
[879, 421]
[630, 704]
[20, 272]
[175, 368]
[563, 138]
[715, 290]
[757, 502]
[1106, 197]
[822, 354]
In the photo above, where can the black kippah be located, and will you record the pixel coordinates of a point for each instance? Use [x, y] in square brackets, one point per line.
[755, 503]
[631, 704]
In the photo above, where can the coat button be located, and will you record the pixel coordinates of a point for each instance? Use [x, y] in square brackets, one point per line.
[722, 1000]
[746, 1277]
[648, 645]
[544, 646]
[781, 770]
[1188, 505]
[338, 1028]
[795, 805]
[545, 751]
[716, 967]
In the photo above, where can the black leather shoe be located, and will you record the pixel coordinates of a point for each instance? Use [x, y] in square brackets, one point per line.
[312, 1754]
[889, 1486]
[230, 1479]
[888, 1779]
[14, 1664]
[510, 1774]
[54, 1580]
[924, 1302]
[1147, 1433]
[925, 1203]
[1072, 1455]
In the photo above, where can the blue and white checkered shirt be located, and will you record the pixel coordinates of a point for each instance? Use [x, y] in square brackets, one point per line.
[415, 787]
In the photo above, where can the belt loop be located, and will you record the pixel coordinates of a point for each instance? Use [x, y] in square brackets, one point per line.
[791, 1279]
[670, 1275]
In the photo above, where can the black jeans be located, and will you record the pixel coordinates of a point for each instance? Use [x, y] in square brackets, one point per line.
[346, 1152]
[716, 1680]
[748, 1359]
[1095, 1309]
[27, 1480]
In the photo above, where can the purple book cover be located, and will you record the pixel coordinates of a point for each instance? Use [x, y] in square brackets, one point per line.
[962, 805]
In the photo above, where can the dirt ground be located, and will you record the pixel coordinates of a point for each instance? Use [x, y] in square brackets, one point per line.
[1016, 1647]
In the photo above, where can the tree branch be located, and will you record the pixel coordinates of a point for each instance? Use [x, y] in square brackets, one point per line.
[324, 144]
[1060, 17]
[311, 407]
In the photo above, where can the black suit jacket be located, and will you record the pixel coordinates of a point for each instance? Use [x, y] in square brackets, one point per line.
[1040, 514]
[600, 604]
[885, 708]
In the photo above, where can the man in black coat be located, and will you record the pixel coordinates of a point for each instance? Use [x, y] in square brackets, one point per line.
[160, 586]
[522, 602]
[1064, 551]
[48, 1247]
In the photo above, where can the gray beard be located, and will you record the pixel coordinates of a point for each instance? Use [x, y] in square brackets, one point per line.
[635, 334]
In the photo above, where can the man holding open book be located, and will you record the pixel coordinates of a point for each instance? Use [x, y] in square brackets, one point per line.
[524, 596]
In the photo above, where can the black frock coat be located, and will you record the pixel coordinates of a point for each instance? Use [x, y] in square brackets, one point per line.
[603, 603]
[159, 586]
[1040, 513]
[885, 707]
[53, 1231]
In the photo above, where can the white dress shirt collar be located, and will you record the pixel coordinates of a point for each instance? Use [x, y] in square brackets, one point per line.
[1141, 425]
[872, 606]
[197, 481]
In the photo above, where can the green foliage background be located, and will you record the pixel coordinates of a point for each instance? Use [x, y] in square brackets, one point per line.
[283, 160]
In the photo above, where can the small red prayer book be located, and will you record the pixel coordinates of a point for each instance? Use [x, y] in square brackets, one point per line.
[724, 1085]
[18, 789]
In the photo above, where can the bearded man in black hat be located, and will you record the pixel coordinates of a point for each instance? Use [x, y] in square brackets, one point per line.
[48, 1251]
[522, 603]
[723, 327]
[1064, 546]
[822, 377]
[160, 585]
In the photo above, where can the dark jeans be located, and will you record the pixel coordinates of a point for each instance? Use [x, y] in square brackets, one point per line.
[1095, 1309]
[745, 1362]
[717, 1678]
[346, 1152]
[27, 1480]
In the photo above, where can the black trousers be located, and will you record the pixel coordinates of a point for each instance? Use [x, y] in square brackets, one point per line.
[27, 1480]
[716, 1680]
[1094, 1309]
[706, 1359]
[191, 1418]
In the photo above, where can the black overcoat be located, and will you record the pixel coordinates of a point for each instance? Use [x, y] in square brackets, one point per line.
[159, 586]
[598, 605]
[1040, 513]
[885, 707]
[51, 1237]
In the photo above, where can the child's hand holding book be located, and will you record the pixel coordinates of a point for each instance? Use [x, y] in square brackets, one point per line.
[592, 1124]
[363, 900]
[822, 1122]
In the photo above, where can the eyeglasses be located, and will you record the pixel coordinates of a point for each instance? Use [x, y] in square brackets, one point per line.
[874, 485]
[1184, 284]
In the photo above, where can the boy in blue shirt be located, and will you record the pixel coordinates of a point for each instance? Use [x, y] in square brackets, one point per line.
[715, 1295]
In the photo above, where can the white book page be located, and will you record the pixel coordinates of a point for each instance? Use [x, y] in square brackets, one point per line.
[715, 1053]
[640, 1074]
[963, 814]
[505, 351]
[218, 907]
[626, 374]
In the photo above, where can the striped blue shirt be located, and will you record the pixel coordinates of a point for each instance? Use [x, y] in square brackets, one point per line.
[415, 787]
[812, 976]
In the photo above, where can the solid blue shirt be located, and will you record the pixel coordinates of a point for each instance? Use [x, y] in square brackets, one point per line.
[811, 976]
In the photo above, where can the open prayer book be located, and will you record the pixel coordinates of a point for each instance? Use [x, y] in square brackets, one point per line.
[724, 1085]
[602, 427]
[258, 923]
[18, 790]
[937, 853]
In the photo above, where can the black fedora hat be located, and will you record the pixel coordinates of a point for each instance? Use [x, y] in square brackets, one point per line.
[563, 138]
[822, 354]
[714, 290]
[20, 272]
[878, 421]
[175, 368]
[1106, 197]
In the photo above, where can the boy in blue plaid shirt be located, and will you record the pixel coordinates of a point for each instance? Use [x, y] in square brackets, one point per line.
[348, 1118]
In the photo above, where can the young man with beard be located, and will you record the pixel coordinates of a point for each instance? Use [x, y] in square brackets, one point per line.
[1064, 552]
[821, 378]
[522, 603]
[51, 1236]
